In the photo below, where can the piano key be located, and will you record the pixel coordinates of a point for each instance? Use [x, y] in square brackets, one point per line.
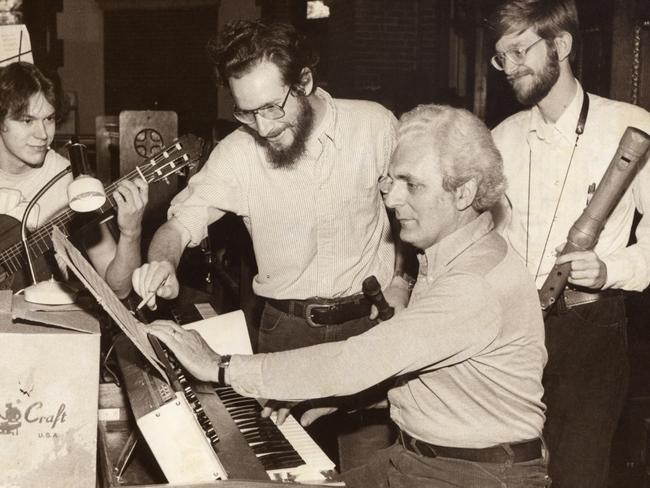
[303, 460]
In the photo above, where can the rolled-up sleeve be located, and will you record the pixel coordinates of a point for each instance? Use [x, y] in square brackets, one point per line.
[219, 187]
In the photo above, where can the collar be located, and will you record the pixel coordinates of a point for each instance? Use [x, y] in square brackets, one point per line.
[565, 126]
[329, 126]
[437, 258]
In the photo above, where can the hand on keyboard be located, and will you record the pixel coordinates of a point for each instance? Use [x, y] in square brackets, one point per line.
[190, 349]
[314, 414]
[282, 410]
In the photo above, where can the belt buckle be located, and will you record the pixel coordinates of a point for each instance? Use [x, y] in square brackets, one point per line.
[308, 311]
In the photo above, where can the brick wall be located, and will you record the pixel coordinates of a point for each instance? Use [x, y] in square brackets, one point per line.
[392, 52]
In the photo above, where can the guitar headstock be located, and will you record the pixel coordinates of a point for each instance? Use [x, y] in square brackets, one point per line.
[184, 153]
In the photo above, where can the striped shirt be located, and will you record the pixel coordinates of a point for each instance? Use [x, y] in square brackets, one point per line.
[318, 228]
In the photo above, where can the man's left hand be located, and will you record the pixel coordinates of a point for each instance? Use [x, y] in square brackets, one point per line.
[189, 348]
[281, 409]
[313, 414]
[131, 198]
[587, 269]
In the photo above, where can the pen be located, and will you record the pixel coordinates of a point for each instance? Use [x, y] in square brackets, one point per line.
[149, 296]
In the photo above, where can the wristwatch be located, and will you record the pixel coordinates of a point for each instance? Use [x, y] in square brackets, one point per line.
[224, 362]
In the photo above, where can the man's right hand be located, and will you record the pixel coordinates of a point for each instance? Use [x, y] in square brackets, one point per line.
[158, 277]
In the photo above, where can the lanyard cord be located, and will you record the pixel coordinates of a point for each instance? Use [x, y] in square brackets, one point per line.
[557, 204]
[580, 128]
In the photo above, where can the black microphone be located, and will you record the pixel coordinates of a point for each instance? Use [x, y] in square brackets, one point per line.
[372, 291]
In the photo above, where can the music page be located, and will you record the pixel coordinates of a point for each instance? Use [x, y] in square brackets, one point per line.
[133, 328]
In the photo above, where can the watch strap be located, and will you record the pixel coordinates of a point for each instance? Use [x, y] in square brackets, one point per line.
[223, 364]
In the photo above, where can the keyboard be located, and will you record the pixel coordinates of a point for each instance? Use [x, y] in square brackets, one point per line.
[171, 419]
[285, 452]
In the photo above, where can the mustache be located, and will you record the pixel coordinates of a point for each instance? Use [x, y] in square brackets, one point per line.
[519, 73]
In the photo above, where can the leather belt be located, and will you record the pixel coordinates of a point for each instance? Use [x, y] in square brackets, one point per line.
[319, 312]
[517, 452]
[572, 298]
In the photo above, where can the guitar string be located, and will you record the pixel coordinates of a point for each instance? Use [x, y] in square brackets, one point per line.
[42, 235]
[150, 169]
[67, 215]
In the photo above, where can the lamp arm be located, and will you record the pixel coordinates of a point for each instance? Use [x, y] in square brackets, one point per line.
[30, 205]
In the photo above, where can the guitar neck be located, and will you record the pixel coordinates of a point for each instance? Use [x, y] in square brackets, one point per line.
[40, 241]
[171, 160]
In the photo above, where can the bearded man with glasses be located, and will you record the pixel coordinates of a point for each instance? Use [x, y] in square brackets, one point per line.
[302, 171]
[554, 156]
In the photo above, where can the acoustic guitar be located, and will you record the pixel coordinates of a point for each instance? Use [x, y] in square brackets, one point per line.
[185, 152]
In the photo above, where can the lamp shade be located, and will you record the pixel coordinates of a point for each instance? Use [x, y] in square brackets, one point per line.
[86, 194]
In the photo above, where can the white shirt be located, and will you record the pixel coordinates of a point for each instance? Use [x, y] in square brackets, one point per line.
[17, 190]
[537, 163]
[318, 228]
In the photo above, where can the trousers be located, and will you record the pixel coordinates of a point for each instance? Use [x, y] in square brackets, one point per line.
[397, 467]
[585, 384]
[349, 439]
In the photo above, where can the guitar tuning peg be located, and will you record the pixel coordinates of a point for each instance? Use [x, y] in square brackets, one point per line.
[166, 180]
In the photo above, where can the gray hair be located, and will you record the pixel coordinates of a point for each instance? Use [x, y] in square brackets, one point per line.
[464, 148]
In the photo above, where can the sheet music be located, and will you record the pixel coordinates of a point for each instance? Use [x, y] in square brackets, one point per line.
[15, 44]
[133, 328]
[225, 334]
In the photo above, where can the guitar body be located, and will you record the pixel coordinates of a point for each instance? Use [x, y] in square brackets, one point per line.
[16, 277]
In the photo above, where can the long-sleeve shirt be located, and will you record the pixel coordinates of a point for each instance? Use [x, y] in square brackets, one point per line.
[537, 163]
[318, 228]
[468, 350]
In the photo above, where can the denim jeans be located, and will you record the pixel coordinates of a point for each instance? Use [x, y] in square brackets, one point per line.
[585, 383]
[397, 467]
[350, 439]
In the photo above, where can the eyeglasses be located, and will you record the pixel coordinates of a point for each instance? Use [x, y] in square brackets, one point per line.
[515, 55]
[270, 112]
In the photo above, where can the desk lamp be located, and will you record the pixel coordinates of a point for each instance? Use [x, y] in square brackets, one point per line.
[85, 194]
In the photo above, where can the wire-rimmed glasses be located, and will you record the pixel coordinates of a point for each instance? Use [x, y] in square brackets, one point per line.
[272, 111]
[516, 55]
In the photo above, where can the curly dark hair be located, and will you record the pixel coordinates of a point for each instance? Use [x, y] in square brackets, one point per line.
[244, 43]
[18, 83]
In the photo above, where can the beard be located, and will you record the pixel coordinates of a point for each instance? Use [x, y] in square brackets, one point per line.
[286, 157]
[541, 82]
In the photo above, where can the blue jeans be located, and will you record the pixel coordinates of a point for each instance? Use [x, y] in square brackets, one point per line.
[585, 383]
[357, 435]
[397, 467]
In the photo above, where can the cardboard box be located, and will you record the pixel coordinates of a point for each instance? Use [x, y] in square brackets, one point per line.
[48, 395]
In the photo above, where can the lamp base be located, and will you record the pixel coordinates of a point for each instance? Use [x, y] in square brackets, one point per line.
[50, 292]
